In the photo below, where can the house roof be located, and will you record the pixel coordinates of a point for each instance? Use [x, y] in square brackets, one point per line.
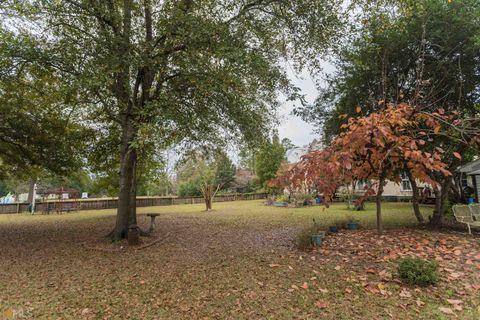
[471, 167]
[474, 173]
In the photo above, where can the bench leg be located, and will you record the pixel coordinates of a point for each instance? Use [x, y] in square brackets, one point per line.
[469, 229]
[152, 224]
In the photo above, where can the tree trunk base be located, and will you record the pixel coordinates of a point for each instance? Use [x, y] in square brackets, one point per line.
[116, 235]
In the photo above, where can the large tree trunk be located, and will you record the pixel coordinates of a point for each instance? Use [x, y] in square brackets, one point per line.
[31, 189]
[126, 212]
[441, 197]
[415, 198]
[379, 205]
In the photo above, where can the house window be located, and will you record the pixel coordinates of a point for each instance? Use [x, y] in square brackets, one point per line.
[362, 185]
[405, 183]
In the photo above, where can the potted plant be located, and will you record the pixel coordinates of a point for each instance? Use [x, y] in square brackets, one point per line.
[281, 201]
[352, 223]
[317, 235]
[334, 226]
[307, 200]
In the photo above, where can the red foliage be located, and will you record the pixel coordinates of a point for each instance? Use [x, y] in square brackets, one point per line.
[385, 143]
[376, 147]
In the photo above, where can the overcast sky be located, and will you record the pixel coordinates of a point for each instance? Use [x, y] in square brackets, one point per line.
[292, 127]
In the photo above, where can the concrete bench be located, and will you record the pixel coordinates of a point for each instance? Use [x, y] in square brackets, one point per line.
[152, 221]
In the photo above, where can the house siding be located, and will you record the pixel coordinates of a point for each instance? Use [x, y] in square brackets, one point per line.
[393, 189]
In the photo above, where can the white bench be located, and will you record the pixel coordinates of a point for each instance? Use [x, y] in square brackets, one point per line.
[468, 214]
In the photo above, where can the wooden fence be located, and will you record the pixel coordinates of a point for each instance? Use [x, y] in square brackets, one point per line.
[97, 204]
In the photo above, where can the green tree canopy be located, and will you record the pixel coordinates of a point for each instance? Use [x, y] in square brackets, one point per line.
[198, 169]
[269, 158]
[36, 129]
[420, 52]
[157, 72]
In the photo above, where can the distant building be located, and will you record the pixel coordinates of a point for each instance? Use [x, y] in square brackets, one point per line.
[392, 189]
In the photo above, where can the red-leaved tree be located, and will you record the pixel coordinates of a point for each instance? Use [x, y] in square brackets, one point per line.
[377, 147]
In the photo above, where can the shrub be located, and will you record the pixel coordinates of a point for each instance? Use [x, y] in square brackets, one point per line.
[189, 189]
[417, 271]
[304, 239]
[351, 219]
[282, 198]
[340, 223]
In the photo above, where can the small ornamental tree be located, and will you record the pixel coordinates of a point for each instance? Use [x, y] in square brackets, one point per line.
[376, 147]
[322, 170]
[209, 186]
[203, 175]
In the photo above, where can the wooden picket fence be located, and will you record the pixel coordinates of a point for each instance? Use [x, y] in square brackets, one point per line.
[97, 204]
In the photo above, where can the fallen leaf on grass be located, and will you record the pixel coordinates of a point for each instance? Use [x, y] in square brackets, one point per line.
[321, 304]
[348, 290]
[455, 275]
[338, 268]
[454, 301]
[294, 286]
[385, 275]
[274, 265]
[420, 303]
[305, 285]
[323, 290]
[405, 294]
[446, 310]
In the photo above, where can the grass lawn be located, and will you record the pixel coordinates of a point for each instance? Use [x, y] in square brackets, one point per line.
[237, 262]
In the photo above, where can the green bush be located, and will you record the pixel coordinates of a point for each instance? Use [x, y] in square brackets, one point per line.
[304, 239]
[418, 271]
[189, 189]
[340, 223]
[282, 198]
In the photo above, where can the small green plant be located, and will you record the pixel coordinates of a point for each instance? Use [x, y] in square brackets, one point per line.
[417, 271]
[282, 198]
[340, 223]
[352, 219]
[307, 197]
[315, 227]
[304, 239]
